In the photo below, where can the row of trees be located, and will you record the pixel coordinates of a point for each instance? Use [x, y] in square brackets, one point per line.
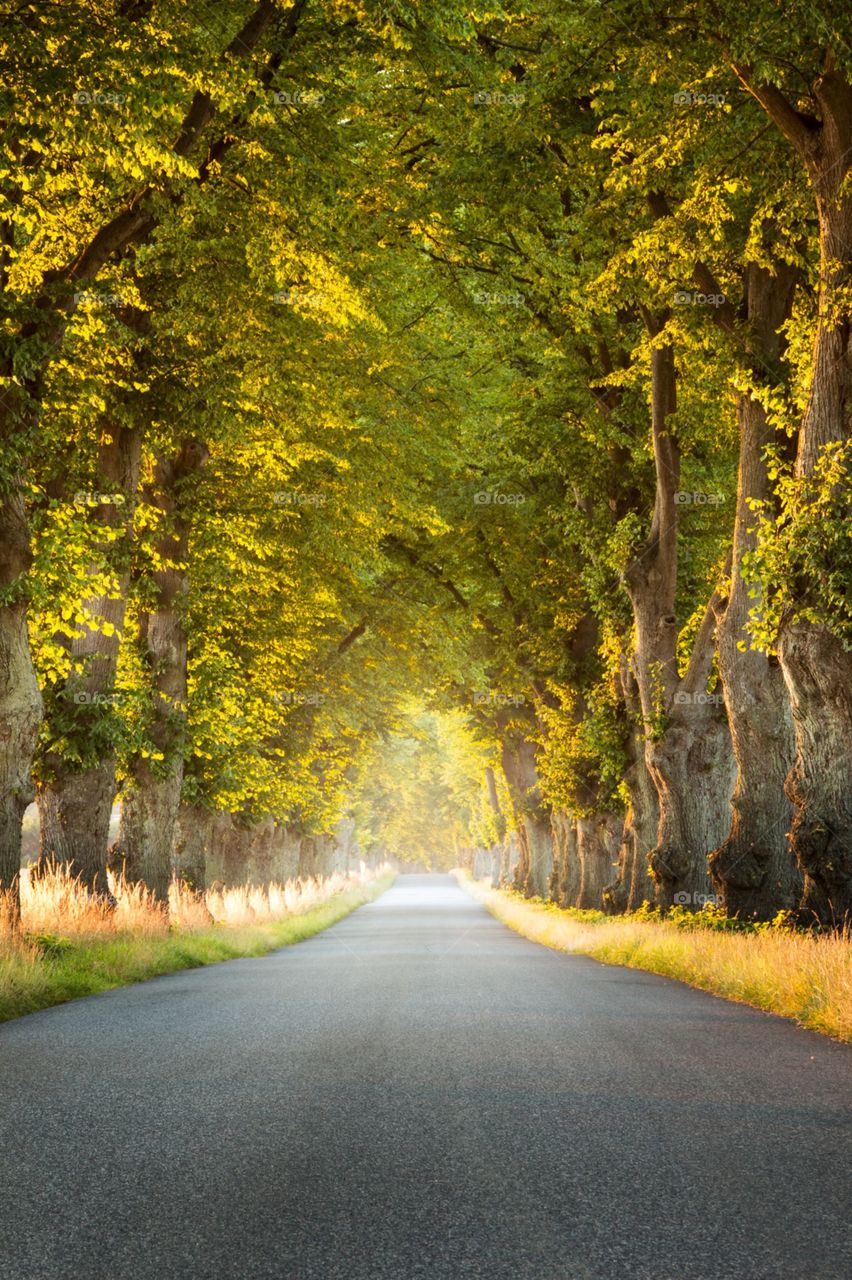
[351, 352]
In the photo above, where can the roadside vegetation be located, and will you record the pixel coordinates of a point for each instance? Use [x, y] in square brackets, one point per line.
[800, 974]
[72, 943]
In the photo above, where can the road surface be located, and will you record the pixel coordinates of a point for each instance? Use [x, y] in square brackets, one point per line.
[419, 1092]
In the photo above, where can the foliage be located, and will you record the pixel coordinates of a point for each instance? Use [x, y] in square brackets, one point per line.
[801, 568]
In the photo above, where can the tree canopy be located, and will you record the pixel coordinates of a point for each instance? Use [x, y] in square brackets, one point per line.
[437, 417]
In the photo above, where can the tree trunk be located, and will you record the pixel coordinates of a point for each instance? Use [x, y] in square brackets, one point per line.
[688, 744]
[641, 831]
[754, 869]
[598, 840]
[509, 858]
[152, 798]
[633, 884]
[643, 820]
[148, 815]
[20, 700]
[75, 803]
[316, 857]
[521, 869]
[74, 815]
[496, 850]
[819, 681]
[481, 862]
[194, 842]
[214, 847]
[817, 669]
[540, 853]
[532, 818]
[346, 852]
[566, 877]
[692, 766]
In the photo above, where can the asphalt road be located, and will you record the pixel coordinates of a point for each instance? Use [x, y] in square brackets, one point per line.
[419, 1092]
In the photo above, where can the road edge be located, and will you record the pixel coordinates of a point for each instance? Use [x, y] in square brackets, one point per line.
[123, 961]
[678, 955]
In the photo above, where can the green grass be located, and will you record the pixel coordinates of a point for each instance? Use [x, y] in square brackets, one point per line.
[54, 970]
[781, 970]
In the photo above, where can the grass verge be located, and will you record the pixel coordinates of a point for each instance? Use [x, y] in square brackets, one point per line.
[35, 975]
[799, 975]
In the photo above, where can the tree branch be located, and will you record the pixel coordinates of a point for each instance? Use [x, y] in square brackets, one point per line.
[703, 647]
[136, 221]
[796, 127]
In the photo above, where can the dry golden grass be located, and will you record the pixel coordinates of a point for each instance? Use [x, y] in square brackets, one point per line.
[55, 903]
[798, 975]
[70, 944]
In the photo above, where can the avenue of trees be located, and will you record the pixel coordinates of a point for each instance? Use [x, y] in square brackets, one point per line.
[429, 425]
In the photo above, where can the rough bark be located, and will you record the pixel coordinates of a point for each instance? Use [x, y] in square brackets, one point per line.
[692, 766]
[598, 840]
[532, 818]
[335, 851]
[819, 681]
[640, 830]
[152, 798]
[539, 839]
[817, 670]
[565, 885]
[688, 744]
[633, 884]
[481, 863]
[75, 803]
[20, 700]
[74, 818]
[754, 870]
[579, 859]
[509, 858]
[521, 868]
[269, 851]
[496, 851]
[213, 847]
[194, 841]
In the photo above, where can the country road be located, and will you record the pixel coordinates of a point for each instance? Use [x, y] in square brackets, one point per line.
[419, 1092]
